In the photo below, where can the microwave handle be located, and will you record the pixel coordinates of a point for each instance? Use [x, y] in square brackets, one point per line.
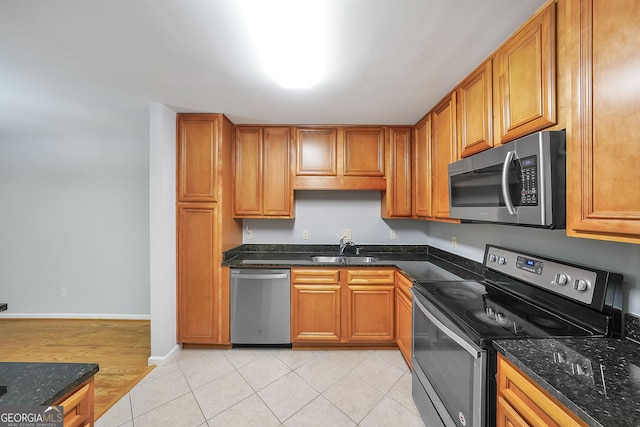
[505, 183]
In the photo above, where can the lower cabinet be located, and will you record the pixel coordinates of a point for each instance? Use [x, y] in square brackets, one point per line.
[315, 305]
[521, 402]
[404, 320]
[342, 306]
[78, 405]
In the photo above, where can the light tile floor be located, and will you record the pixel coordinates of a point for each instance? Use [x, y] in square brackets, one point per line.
[271, 387]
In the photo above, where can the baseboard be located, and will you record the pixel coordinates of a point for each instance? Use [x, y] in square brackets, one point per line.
[163, 360]
[5, 315]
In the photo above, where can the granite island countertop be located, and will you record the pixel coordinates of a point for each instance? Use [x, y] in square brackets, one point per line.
[596, 378]
[33, 383]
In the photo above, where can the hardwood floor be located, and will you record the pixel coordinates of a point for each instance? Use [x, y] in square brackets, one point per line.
[120, 347]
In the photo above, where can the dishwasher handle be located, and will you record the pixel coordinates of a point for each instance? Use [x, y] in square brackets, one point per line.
[268, 276]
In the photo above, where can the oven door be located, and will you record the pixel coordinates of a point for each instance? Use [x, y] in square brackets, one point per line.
[449, 378]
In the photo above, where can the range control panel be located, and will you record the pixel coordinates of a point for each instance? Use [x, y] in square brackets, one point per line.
[567, 280]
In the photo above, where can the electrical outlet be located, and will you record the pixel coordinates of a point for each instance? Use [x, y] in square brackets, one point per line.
[249, 233]
[63, 292]
[393, 235]
[454, 241]
[346, 233]
[305, 234]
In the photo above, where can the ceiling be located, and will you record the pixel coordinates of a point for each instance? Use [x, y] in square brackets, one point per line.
[95, 65]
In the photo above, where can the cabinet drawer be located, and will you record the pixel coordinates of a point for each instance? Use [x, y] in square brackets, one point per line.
[329, 276]
[370, 277]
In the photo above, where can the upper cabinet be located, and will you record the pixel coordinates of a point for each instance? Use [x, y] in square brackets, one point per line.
[421, 176]
[396, 201]
[443, 152]
[197, 158]
[526, 72]
[602, 140]
[317, 152]
[475, 111]
[364, 151]
[340, 158]
[262, 176]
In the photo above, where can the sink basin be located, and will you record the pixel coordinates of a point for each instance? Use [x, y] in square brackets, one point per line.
[343, 259]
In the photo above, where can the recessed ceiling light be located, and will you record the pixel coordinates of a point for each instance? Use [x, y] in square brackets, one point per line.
[290, 37]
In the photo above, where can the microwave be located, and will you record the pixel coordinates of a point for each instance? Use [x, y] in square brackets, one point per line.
[522, 182]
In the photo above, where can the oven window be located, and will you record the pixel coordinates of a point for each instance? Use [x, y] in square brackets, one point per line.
[448, 367]
[483, 187]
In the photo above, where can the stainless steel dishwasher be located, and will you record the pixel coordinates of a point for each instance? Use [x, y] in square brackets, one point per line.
[260, 306]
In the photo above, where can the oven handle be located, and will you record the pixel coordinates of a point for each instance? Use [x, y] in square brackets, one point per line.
[505, 183]
[462, 343]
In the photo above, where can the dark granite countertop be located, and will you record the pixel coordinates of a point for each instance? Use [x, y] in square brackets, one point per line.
[420, 263]
[26, 383]
[603, 391]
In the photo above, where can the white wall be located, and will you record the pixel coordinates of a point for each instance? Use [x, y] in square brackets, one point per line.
[74, 214]
[325, 213]
[162, 226]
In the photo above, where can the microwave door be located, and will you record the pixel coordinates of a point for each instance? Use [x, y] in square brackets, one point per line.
[481, 186]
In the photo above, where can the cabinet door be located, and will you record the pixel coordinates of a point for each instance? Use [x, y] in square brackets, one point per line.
[247, 192]
[404, 320]
[276, 175]
[364, 151]
[527, 70]
[317, 152]
[197, 153]
[369, 315]
[603, 185]
[475, 111]
[443, 151]
[396, 201]
[421, 182]
[197, 267]
[315, 305]
[506, 416]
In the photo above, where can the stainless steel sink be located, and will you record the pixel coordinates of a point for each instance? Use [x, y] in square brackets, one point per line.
[343, 259]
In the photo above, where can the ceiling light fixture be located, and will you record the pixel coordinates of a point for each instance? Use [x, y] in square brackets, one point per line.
[290, 37]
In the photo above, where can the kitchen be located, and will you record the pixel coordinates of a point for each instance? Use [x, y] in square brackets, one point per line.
[125, 279]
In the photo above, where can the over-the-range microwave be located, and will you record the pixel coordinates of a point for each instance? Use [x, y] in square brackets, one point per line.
[521, 182]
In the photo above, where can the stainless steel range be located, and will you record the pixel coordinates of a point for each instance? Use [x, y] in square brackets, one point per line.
[522, 295]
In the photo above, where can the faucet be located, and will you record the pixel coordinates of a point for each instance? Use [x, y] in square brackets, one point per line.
[344, 244]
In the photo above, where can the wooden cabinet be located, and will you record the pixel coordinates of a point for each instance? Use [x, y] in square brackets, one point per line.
[404, 318]
[78, 406]
[443, 151]
[396, 200]
[421, 177]
[475, 111]
[341, 306]
[521, 402]
[364, 151]
[197, 262]
[340, 158]
[197, 157]
[603, 188]
[262, 176]
[315, 305]
[205, 228]
[526, 74]
[370, 305]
